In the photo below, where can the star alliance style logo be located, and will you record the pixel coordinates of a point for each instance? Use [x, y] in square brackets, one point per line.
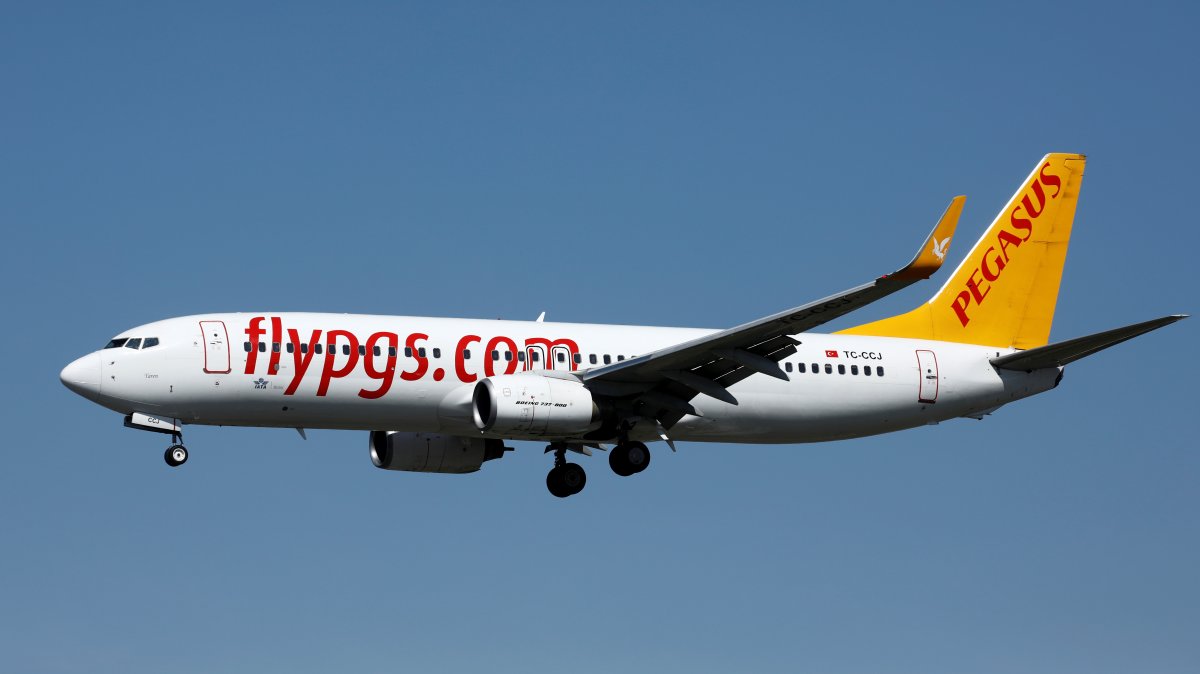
[260, 383]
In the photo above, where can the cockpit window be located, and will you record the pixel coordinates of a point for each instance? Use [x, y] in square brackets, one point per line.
[134, 343]
[116, 343]
[149, 342]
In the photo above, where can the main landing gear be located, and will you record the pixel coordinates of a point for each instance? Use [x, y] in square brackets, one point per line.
[629, 457]
[564, 479]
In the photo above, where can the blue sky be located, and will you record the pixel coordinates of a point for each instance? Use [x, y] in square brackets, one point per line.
[696, 164]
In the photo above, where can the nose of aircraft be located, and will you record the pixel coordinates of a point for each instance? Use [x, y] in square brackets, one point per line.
[83, 376]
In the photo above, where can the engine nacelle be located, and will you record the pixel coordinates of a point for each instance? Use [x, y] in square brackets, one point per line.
[534, 405]
[431, 452]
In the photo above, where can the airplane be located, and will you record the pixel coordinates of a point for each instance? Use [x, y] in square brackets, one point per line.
[443, 395]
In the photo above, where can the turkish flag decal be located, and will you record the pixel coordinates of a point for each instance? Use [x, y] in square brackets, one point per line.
[830, 354]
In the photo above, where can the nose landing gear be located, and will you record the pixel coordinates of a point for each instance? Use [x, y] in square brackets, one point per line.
[564, 479]
[176, 455]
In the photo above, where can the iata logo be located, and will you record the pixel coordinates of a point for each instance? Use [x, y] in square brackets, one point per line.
[260, 383]
[939, 248]
[996, 257]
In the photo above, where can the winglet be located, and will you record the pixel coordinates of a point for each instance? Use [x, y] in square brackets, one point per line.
[932, 253]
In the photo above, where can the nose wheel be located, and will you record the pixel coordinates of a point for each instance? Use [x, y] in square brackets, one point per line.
[176, 455]
[565, 479]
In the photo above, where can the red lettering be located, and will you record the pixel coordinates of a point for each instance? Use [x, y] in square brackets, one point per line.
[541, 341]
[422, 362]
[1050, 180]
[302, 357]
[1007, 239]
[960, 307]
[328, 372]
[1041, 195]
[489, 365]
[987, 271]
[254, 332]
[276, 346]
[973, 284]
[385, 376]
[460, 364]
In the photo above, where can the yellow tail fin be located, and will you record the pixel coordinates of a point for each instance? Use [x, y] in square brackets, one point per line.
[1003, 294]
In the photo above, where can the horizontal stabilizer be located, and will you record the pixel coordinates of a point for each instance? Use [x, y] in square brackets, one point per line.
[1055, 355]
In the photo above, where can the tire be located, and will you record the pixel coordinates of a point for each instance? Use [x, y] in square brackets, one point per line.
[637, 456]
[618, 462]
[628, 458]
[176, 455]
[555, 484]
[573, 477]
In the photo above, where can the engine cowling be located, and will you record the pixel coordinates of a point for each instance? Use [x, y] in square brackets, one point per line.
[534, 405]
[432, 452]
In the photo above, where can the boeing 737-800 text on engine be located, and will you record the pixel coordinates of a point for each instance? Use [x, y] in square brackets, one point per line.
[443, 395]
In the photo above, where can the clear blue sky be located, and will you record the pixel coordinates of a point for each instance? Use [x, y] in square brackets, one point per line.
[694, 164]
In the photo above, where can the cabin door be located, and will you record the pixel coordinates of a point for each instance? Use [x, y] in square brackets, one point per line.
[216, 347]
[927, 364]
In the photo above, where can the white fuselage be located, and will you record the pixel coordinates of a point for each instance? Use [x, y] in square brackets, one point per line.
[264, 369]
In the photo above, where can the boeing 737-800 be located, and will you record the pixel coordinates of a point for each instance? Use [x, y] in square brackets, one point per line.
[442, 395]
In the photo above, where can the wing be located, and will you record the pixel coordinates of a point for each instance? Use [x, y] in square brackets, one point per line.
[660, 385]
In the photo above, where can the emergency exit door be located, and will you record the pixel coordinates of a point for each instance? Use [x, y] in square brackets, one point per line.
[216, 347]
[927, 364]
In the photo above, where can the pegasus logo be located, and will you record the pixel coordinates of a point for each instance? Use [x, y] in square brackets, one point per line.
[939, 248]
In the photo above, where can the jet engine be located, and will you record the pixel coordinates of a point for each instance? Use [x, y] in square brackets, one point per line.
[431, 452]
[534, 405]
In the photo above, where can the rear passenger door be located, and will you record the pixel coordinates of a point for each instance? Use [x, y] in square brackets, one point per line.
[927, 366]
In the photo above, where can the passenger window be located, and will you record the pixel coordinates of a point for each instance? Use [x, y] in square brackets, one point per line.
[841, 369]
[466, 354]
[508, 355]
[118, 343]
[303, 347]
[578, 358]
[592, 358]
[853, 369]
[495, 355]
[274, 347]
[408, 352]
[879, 371]
[362, 349]
[346, 349]
[391, 352]
[815, 369]
[437, 353]
[317, 349]
[520, 356]
[828, 368]
[787, 367]
[421, 352]
[262, 347]
[562, 357]
[134, 343]
[291, 348]
[867, 370]
[620, 357]
[607, 359]
[800, 368]
[246, 345]
[536, 356]
[377, 351]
